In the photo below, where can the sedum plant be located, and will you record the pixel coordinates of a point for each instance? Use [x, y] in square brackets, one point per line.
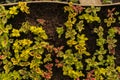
[91, 14]
[60, 31]
[110, 20]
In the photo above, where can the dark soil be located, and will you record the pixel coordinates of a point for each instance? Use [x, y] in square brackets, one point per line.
[54, 16]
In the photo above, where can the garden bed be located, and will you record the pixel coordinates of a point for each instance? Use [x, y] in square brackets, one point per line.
[77, 44]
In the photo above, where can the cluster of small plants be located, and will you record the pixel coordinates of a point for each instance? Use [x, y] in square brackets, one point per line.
[31, 57]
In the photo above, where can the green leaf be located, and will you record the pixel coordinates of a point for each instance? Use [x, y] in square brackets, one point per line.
[4, 40]
[7, 67]
[70, 34]
[5, 76]
[15, 33]
[24, 64]
[117, 13]
[60, 31]
[16, 75]
[118, 68]
[71, 42]
[110, 60]
[109, 21]
[44, 36]
[79, 65]
[80, 26]
[25, 27]
[47, 58]
[100, 57]
[100, 41]
[119, 18]
[4, 20]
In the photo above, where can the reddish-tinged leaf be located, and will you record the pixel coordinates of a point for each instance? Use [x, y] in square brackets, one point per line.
[58, 49]
[49, 66]
[93, 79]
[2, 56]
[92, 71]
[77, 9]
[112, 51]
[110, 12]
[47, 75]
[59, 65]
[41, 21]
[89, 75]
[49, 48]
[0, 62]
[57, 61]
[80, 8]
[117, 29]
[78, 79]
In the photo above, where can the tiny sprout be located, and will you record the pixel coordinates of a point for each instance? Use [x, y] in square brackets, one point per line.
[15, 33]
[25, 27]
[58, 49]
[99, 31]
[109, 21]
[117, 30]
[118, 68]
[82, 37]
[78, 9]
[1, 31]
[4, 41]
[49, 48]
[47, 58]
[41, 21]
[60, 31]
[38, 70]
[13, 10]
[59, 65]
[117, 13]
[47, 75]
[110, 12]
[70, 33]
[79, 26]
[92, 9]
[71, 42]
[2, 57]
[9, 27]
[119, 18]
[49, 66]
[23, 7]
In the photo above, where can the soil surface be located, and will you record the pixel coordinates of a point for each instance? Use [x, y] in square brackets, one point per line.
[54, 16]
